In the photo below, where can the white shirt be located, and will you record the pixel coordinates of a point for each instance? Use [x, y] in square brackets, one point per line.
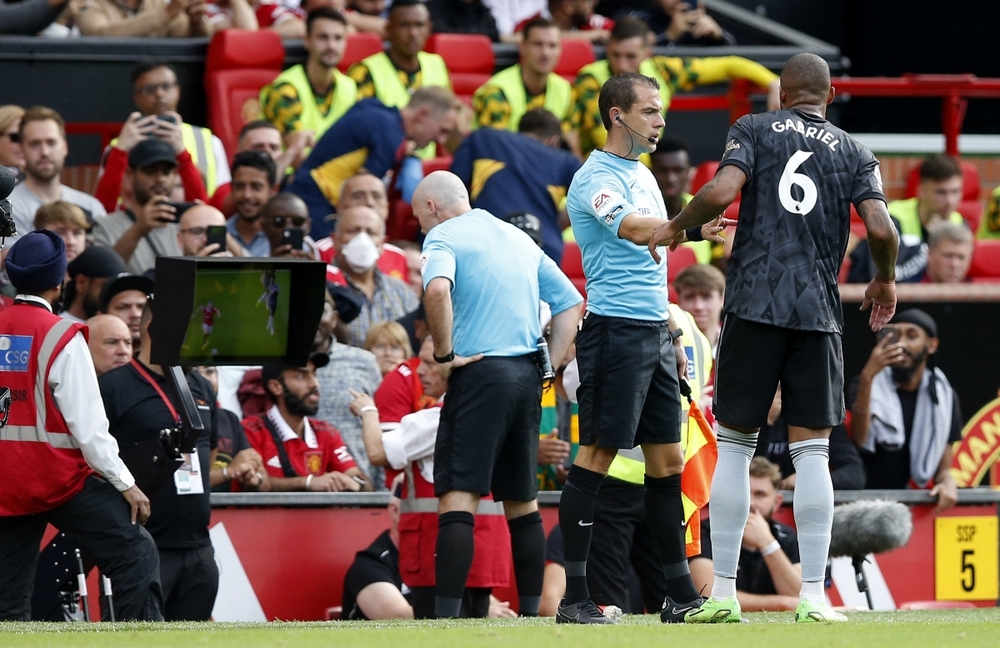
[24, 204]
[73, 381]
[287, 433]
[508, 13]
[413, 441]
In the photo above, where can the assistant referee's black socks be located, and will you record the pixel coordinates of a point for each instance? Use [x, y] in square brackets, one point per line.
[665, 515]
[527, 543]
[453, 562]
[576, 521]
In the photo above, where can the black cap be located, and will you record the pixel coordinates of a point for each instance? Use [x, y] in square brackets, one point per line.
[919, 318]
[122, 282]
[272, 370]
[97, 263]
[527, 223]
[37, 261]
[149, 152]
[346, 303]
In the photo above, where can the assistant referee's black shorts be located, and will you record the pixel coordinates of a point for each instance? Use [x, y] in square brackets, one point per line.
[488, 436]
[754, 358]
[628, 394]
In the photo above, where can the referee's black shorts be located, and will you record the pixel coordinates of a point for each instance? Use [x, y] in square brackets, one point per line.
[628, 394]
[754, 358]
[488, 436]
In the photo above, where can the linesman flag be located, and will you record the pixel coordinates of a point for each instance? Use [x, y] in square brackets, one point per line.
[701, 452]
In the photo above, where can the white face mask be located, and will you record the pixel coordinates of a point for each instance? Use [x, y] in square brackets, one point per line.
[361, 253]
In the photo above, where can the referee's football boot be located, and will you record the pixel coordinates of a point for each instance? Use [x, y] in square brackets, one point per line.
[714, 610]
[808, 612]
[673, 612]
[585, 611]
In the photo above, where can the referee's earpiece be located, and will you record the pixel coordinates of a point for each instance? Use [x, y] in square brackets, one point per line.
[618, 118]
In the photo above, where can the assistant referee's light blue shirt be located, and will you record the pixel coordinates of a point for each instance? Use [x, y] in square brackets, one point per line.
[498, 274]
[622, 278]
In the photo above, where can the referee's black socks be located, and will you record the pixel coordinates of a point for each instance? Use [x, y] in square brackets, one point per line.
[453, 562]
[665, 514]
[576, 521]
[527, 543]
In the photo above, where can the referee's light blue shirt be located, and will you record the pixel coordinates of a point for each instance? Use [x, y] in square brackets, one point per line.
[498, 274]
[622, 278]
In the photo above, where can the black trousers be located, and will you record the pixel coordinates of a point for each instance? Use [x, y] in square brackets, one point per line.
[190, 580]
[98, 520]
[622, 538]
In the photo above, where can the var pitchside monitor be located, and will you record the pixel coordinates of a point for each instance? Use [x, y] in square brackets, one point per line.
[235, 311]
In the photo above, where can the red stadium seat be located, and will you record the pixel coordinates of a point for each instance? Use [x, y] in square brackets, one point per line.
[704, 173]
[402, 224]
[469, 58]
[972, 212]
[858, 227]
[437, 164]
[572, 265]
[359, 46]
[576, 53]
[970, 181]
[986, 260]
[239, 63]
[679, 259]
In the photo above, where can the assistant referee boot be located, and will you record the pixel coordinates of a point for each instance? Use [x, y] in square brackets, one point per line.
[808, 612]
[673, 612]
[584, 612]
[714, 610]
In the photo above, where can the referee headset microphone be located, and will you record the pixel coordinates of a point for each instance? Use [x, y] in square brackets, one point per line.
[652, 140]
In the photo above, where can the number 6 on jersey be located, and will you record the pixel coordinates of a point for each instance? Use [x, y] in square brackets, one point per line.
[788, 178]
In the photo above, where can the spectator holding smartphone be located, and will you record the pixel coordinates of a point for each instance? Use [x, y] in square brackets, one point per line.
[202, 232]
[146, 226]
[905, 414]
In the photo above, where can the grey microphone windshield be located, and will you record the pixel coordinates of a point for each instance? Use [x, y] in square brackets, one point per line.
[869, 527]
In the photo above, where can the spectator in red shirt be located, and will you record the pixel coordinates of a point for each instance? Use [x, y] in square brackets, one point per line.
[301, 453]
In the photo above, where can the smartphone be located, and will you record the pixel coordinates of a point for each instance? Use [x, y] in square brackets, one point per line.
[293, 236]
[216, 234]
[180, 208]
[889, 333]
[166, 118]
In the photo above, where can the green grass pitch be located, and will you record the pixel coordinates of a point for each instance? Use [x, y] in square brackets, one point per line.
[932, 629]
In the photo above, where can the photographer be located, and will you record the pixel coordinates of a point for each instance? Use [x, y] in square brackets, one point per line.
[56, 436]
[140, 404]
[146, 227]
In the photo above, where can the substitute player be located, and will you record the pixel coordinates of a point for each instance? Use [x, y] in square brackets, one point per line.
[628, 349]
[799, 175]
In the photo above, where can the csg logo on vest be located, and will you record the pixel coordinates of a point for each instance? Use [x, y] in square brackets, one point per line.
[15, 351]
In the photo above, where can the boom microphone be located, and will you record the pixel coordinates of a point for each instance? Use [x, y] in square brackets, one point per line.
[618, 118]
[869, 527]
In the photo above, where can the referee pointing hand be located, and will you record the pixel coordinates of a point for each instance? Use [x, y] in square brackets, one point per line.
[628, 350]
[483, 280]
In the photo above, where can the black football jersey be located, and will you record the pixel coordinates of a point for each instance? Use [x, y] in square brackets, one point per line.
[803, 174]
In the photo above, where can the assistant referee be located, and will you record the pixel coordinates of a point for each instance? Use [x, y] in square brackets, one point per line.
[628, 350]
[483, 279]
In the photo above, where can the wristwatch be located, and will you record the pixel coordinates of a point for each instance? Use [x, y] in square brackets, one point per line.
[676, 333]
[445, 359]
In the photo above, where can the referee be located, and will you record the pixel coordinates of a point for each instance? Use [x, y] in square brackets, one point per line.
[483, 280]
[628, 350]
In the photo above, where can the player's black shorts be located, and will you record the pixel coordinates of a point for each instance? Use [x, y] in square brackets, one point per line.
[488, 437]
[754, 358]
[628, 394]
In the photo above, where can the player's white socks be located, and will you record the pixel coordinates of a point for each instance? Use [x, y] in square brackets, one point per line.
[730, 502]
[813, 513]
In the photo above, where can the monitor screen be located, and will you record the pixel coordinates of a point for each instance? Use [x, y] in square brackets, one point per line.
[235, 311]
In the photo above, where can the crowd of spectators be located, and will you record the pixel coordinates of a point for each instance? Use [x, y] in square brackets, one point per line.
[331, 156]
